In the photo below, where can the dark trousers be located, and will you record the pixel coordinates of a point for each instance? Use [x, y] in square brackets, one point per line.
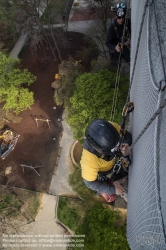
[115, 56]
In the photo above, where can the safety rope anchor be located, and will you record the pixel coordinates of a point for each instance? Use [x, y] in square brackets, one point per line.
[129, 107]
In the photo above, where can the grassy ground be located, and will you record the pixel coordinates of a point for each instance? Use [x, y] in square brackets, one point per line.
[19, 204]
[71, 212]
[31, 202]
[91, 219]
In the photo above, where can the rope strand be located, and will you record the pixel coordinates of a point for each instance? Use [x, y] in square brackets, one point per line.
[118, 70]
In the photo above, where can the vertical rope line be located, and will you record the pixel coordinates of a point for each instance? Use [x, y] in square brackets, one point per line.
[116, 88]
[156, 154]
[118, 70]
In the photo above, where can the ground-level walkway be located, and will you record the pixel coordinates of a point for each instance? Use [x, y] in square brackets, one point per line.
[42, 233]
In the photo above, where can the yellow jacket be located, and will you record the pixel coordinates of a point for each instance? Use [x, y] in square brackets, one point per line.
[91, 164]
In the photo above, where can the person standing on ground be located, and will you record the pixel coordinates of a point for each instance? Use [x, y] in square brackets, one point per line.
[115, 40]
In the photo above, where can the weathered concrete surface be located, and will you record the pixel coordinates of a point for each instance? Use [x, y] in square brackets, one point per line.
[43, 232]
[59, 184]
[18, 46]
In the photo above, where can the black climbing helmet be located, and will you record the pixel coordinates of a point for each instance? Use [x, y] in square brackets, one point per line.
[121, 9]
[103, 137]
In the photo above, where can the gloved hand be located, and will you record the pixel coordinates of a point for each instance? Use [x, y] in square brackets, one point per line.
[119, 189]
[125, 149]
[108, 197]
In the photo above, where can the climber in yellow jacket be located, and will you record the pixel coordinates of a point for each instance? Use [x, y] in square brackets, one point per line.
[102, 142]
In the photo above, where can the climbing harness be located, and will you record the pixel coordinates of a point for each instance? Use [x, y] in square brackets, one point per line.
[123, 162]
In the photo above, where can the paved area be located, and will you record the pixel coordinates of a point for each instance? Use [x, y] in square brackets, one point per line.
[59, 184]
[18, 46]
[43, 233]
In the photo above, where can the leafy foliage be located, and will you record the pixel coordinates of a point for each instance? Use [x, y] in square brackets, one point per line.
[17, 204]
[6, 116]
[75, 180]
[55, 11]
[8, 201]
[69, 71]
[21, 17]
[15, 16]
[92, 98]
[70, 212]
[101, 230]
[86, 53]
[12, 95]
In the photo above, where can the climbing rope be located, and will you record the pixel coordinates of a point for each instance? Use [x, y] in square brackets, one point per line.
[116, 88]
[162, 84]
[118, 69]
[161, 88]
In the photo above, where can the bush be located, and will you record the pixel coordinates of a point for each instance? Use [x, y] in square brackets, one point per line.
[76, 181]
[92, 98]
[101, 230]
[70, 212]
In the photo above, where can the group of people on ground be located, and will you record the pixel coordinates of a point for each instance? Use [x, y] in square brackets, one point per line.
[104, 142]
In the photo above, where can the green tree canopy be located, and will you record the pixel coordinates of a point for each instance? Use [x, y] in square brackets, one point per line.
[13, 96]
[14, 15]
[102, 230]
[92, 98]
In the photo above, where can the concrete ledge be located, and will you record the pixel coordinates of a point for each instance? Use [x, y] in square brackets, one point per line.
[71, 154]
